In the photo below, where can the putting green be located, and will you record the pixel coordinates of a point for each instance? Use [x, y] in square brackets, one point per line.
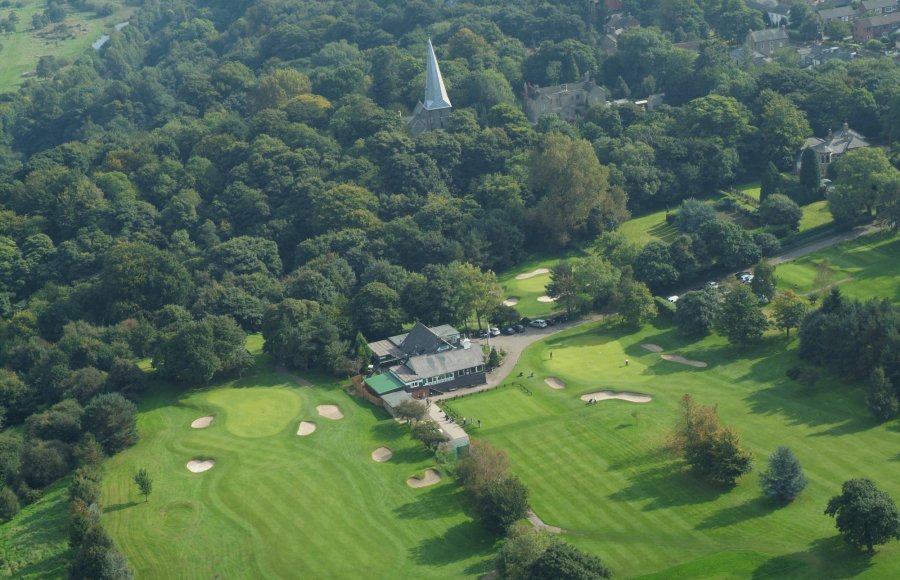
[602, 472]
[256, 411]
[280, 506]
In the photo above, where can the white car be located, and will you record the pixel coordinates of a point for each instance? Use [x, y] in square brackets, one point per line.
[494, 331]
[538, 323]
[712, 284]
[673, 299]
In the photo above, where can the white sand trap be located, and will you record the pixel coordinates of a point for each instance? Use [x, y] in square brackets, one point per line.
[202, 422]
[532, 274]
[546, 299]
[555, 383]
[200, 465]
[332, 412]
[621, 395]
[382, 454]
[431, 477]
[652, 347]
[306, 428]
[510, 301]
[684, 361]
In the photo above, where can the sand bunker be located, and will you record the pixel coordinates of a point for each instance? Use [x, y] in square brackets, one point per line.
[306, 428]
[652, 347]
[555, 383]
[332, 412]
[383, 454]
[510, 301]
[431, 477]
[532, 274]
[546, 299]
[621, 395]
[681, 360]
[202, 422]
[200, 465]
[539, 523]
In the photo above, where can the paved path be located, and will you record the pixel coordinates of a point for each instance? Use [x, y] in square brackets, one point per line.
[514, 345]
[824, 243]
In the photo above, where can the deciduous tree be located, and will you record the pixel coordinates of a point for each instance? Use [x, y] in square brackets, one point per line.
[502, 503]
[865, 515]
[696, 312]
[789, 310]
[741, 319]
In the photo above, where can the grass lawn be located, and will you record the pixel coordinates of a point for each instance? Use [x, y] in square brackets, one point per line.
[22, 49]
[649, 228]
[864, 268]
[528, 291]
[276, 505]
[601, 472]
[750, 189]
[34, 544]
[815, 215]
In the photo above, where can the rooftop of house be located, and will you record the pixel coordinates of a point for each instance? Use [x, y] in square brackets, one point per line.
[432, 365]
[837, 142]
[879, 20]
[768, 35]
[866, 5]
[832, 13]
[419, 340]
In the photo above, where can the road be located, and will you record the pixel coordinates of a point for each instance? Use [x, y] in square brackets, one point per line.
[825, 243]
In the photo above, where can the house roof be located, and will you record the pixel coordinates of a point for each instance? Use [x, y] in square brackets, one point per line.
[877, 4]
[880, 20]
[838, 142]
[385, 348]
[768, 35]
[421, 340]
[432, 365]
[833, 13]
[395, 398]
[384, 383]
[435, 92]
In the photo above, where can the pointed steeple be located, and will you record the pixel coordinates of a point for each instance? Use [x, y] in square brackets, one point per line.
[435, 92]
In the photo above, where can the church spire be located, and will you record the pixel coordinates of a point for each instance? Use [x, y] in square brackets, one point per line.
[435, 92]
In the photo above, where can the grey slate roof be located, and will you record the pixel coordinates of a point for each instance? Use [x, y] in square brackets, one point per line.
[881, 20]
[867, 5]
[837, 143]
[768, 35]
[833, 13]
[432, 365]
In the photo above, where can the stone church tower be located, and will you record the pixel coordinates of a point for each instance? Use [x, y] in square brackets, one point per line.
[434, 113]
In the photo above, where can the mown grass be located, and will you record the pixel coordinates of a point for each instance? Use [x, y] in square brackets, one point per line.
[649, 228]
[281, 506]
[815, 215]
[529, 290]
[603, 474]
[34, 544]
[864, 268]
[23, 48]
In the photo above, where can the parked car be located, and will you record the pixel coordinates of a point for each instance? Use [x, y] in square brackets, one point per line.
[747, 278]
[550, 321]
[538, 323]
[509, 330]
[519, 328]
[740, 275]
[673, 299]
[483, 333]
[712, 284]
[494, 331]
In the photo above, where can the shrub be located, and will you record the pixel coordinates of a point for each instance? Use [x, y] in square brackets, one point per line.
[9, 504]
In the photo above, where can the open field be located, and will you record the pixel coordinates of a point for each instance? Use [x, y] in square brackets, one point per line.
[649, 228]
[601, 472]
[815, 215]
[22, 49]
[34, 544]
[867, 267]
[276, 505]
[528, 290]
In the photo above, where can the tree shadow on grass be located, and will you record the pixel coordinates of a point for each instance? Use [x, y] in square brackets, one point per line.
[826, 558]
[119, 506]
[440, 501]
[848, 427]
[667, 486]
[751, 509]
[409, 455]
[461, 542]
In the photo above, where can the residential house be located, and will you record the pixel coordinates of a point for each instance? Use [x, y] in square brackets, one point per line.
[767, 41]
[568, 100]
[434, 113]
[876, 26]
[833, 146]
[424, 361]
[816, 54]
[843, 13]
[878, 7]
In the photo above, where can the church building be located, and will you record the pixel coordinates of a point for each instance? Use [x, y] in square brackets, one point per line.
[434, 113]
